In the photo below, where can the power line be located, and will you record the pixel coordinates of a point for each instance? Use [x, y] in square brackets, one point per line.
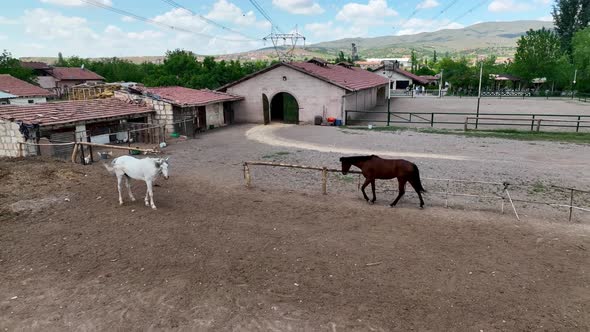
[451, 4]
[265, 14]
[479, 4]
[151, 21]
[203, 18]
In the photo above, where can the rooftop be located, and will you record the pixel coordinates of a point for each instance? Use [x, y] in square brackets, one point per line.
[73, 73]
[34, 65]
[182, 96]
[341, 75]
[20, 88]
[65, 112]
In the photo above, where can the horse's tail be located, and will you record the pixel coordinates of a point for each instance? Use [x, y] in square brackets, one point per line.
[417, 180]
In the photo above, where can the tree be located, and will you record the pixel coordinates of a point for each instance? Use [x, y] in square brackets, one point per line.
[60, 60]
[538, 54]
[414, 61]
[581, 57]
[570, 16]
[341, 57]
[434, 59]
[12, 66]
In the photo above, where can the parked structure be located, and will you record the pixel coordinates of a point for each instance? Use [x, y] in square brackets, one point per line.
[59, 79]
[15, 91]
[297, 92]
[66, 121]
[399, 78]
[185, 110]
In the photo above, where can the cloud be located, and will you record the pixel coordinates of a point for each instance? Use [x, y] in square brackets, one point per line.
[2, 37]
[328, 30]
[76, 3]
[6, 21]
[226, 11]
[128, 19]
[48, 32]
[418, 25]
[301, 7]
[375, 12]
[426, 4]
[499, 6]
[547, 18]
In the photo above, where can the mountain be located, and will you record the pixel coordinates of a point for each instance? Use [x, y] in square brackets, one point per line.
[498, 38]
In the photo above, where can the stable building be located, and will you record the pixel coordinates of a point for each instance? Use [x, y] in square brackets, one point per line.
[184, 110]
[298, 92]
[18, 92]
[99, 120]
[399, 78]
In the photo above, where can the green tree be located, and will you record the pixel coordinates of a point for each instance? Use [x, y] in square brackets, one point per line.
[414, 60]
[434, 59]
[341, 57]
[581, 57]
[12, 66]
[60, 60]
[570, 16]
[538, 54]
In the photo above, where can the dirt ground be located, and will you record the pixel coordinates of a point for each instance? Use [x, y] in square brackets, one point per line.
[218, 256]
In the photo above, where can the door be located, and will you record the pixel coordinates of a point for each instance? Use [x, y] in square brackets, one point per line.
[291, 109]
[265, 109]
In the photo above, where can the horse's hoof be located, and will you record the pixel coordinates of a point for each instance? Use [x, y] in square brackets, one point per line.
[120, 203]
[154, 207]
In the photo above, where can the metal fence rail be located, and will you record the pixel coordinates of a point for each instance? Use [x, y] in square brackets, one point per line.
[576, 121]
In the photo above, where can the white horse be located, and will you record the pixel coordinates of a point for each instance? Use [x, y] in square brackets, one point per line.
[146, 169]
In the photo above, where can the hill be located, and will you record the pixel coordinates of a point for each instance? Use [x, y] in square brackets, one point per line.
[497, 38]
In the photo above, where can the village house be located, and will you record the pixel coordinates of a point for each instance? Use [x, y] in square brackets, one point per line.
[303, 92]
[59, 79]
[400, 79]
[15, 91]
[184, 110]
[67, 121]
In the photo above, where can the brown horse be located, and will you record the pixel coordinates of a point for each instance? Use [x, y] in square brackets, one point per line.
[374, 168]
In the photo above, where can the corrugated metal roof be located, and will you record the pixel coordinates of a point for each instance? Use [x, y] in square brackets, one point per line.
[46, 114]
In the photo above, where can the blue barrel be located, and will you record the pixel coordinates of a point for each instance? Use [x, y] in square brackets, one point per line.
[338, 122]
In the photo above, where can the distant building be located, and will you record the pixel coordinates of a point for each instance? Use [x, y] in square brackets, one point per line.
[59, 79]
[399, 78]
[15, 91]
[403, 61]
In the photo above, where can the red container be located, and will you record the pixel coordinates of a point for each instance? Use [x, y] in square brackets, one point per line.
[331, 119]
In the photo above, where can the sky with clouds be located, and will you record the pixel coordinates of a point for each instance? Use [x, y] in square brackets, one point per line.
[76, 27]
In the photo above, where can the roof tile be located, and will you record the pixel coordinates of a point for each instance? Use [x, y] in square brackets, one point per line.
[20, 88]
[74, 73]
[181, 96]
[70, 111]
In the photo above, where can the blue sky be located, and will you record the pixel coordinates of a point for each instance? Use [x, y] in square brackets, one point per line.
[46, 27]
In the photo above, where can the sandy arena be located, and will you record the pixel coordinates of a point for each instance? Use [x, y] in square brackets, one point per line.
[283, 257]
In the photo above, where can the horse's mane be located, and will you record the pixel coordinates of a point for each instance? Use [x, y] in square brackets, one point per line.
[355, 159]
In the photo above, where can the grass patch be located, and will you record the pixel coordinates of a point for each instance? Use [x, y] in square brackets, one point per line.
[566, 137]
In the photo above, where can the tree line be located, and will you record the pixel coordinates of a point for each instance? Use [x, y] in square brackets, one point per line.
[561, 56]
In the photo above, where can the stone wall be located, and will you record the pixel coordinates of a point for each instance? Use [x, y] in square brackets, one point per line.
[9, 138]
[164, 112]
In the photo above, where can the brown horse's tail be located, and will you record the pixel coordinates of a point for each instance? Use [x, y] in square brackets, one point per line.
[417, 180]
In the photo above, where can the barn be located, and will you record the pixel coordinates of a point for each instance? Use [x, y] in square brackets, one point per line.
[68, 121]
[184, 110]
[297, 92]
[15, 91]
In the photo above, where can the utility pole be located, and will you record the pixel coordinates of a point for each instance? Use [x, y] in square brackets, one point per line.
[479, 94]
[574, 82]
[440, 83]
[389, 66]
[286, 52]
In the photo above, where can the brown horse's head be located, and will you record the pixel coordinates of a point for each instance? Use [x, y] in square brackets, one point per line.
[345, 165]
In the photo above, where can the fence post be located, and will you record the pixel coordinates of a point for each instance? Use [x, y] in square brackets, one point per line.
[20, 149]
[533, 122]
[466, 123]
[90, 149]
[432, 119]
[324, 181]
[388, 111]
[578, 124]
[571, 203]
[539, 125]
[247, 175]
[74, 153]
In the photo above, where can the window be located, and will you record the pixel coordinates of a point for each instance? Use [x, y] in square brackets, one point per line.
[31, 101]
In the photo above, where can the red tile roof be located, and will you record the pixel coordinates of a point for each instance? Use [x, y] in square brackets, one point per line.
[181, 96]
[73, 73]
[349, 78]
[69, 112]
[34, 65]
[20, 88]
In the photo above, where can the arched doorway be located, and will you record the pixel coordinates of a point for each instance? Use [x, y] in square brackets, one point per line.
[284, 108]
[265, 109]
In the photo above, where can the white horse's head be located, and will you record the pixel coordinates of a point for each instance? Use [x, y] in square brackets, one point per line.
[162, 165]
